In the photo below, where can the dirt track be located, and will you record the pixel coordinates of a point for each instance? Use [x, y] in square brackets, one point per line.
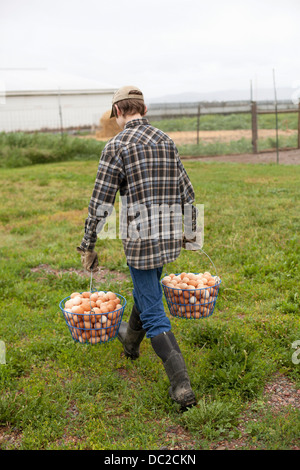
[190, 137]
[286, 157]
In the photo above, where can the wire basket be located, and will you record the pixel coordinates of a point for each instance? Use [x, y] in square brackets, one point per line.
[100, 322]
[191, 302]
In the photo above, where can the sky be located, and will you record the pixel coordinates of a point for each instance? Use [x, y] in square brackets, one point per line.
[161, 46]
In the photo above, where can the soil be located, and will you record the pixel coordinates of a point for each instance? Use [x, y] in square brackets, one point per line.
[100, 276]
[190, 137]
[285, 157]
[279, 394]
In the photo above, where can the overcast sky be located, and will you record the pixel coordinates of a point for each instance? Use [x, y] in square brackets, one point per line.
[162, 46]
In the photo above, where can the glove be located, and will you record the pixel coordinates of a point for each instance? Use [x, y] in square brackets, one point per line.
[89, 259]
[193, 244]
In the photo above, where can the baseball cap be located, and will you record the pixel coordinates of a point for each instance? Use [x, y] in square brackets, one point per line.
[126, 93]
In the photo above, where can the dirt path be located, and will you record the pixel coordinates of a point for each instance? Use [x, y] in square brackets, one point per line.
[190, 137]
[285, 157]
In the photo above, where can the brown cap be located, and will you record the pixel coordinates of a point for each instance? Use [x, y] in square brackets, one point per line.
[126, 93]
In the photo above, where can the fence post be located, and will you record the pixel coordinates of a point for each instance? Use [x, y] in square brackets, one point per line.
[299, 125]
[198, 123]
[254, 125]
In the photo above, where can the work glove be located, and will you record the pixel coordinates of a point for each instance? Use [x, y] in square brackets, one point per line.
[89, 259]
[193, 244]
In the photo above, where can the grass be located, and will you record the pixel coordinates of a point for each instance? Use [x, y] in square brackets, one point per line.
[21, 149]
[57, 394]
[215, 122]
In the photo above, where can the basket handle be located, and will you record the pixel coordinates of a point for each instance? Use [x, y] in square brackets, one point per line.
[200, 249]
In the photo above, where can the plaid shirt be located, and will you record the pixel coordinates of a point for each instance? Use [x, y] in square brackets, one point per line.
[142, 162]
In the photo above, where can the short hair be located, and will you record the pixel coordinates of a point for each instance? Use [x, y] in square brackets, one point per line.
[129, 107]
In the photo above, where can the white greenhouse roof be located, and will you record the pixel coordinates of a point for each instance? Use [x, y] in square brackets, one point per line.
[45, 80]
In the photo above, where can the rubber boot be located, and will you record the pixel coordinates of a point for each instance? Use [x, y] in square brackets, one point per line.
[166, 347]
[131, 334]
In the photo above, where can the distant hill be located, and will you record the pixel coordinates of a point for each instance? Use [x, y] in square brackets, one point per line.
[225, 95]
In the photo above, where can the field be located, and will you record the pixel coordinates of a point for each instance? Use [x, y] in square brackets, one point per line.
[58, 394]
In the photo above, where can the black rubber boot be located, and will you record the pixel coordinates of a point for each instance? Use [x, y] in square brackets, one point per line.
[131, 334]
[166, 347]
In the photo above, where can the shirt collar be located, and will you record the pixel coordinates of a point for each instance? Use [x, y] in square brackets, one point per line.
[136, 122]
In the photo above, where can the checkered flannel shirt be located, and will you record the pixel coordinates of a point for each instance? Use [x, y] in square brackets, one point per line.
[142, 162]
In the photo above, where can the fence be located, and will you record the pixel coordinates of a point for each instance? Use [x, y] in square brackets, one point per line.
[175, 110]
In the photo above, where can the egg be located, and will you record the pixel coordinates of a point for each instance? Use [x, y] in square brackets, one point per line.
[77, 309]
[94, 297]
[68, 304]
[77, 300]
[104, 308]
[111, 306]
[94, 339]
[74, 294]
[205, 294]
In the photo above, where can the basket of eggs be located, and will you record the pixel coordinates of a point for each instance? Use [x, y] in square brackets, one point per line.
[93, 317]
[191, 295]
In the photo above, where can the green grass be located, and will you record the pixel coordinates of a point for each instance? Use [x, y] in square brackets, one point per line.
[56, 394]
[19, 149]
[217, 122]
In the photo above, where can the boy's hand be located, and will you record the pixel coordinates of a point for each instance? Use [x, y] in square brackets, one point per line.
[89, 259]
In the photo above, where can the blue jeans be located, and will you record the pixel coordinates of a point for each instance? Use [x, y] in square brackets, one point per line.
[147, 294]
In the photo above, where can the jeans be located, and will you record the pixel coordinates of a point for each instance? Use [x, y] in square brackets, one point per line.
[147, 294]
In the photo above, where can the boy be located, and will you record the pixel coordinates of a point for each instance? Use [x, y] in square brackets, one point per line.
[143, 164]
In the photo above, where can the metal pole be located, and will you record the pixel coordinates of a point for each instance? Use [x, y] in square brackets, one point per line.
[276, 117]
[254, 125]
[60, 112]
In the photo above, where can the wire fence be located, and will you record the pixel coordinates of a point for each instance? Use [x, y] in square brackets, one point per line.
[252, 108]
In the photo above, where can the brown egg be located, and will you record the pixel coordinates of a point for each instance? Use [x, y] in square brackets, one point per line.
[77, 309]
[111, 306]
[94, 297]
[77, 300]
[74, 294]
[104, 308]
[69, 304]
